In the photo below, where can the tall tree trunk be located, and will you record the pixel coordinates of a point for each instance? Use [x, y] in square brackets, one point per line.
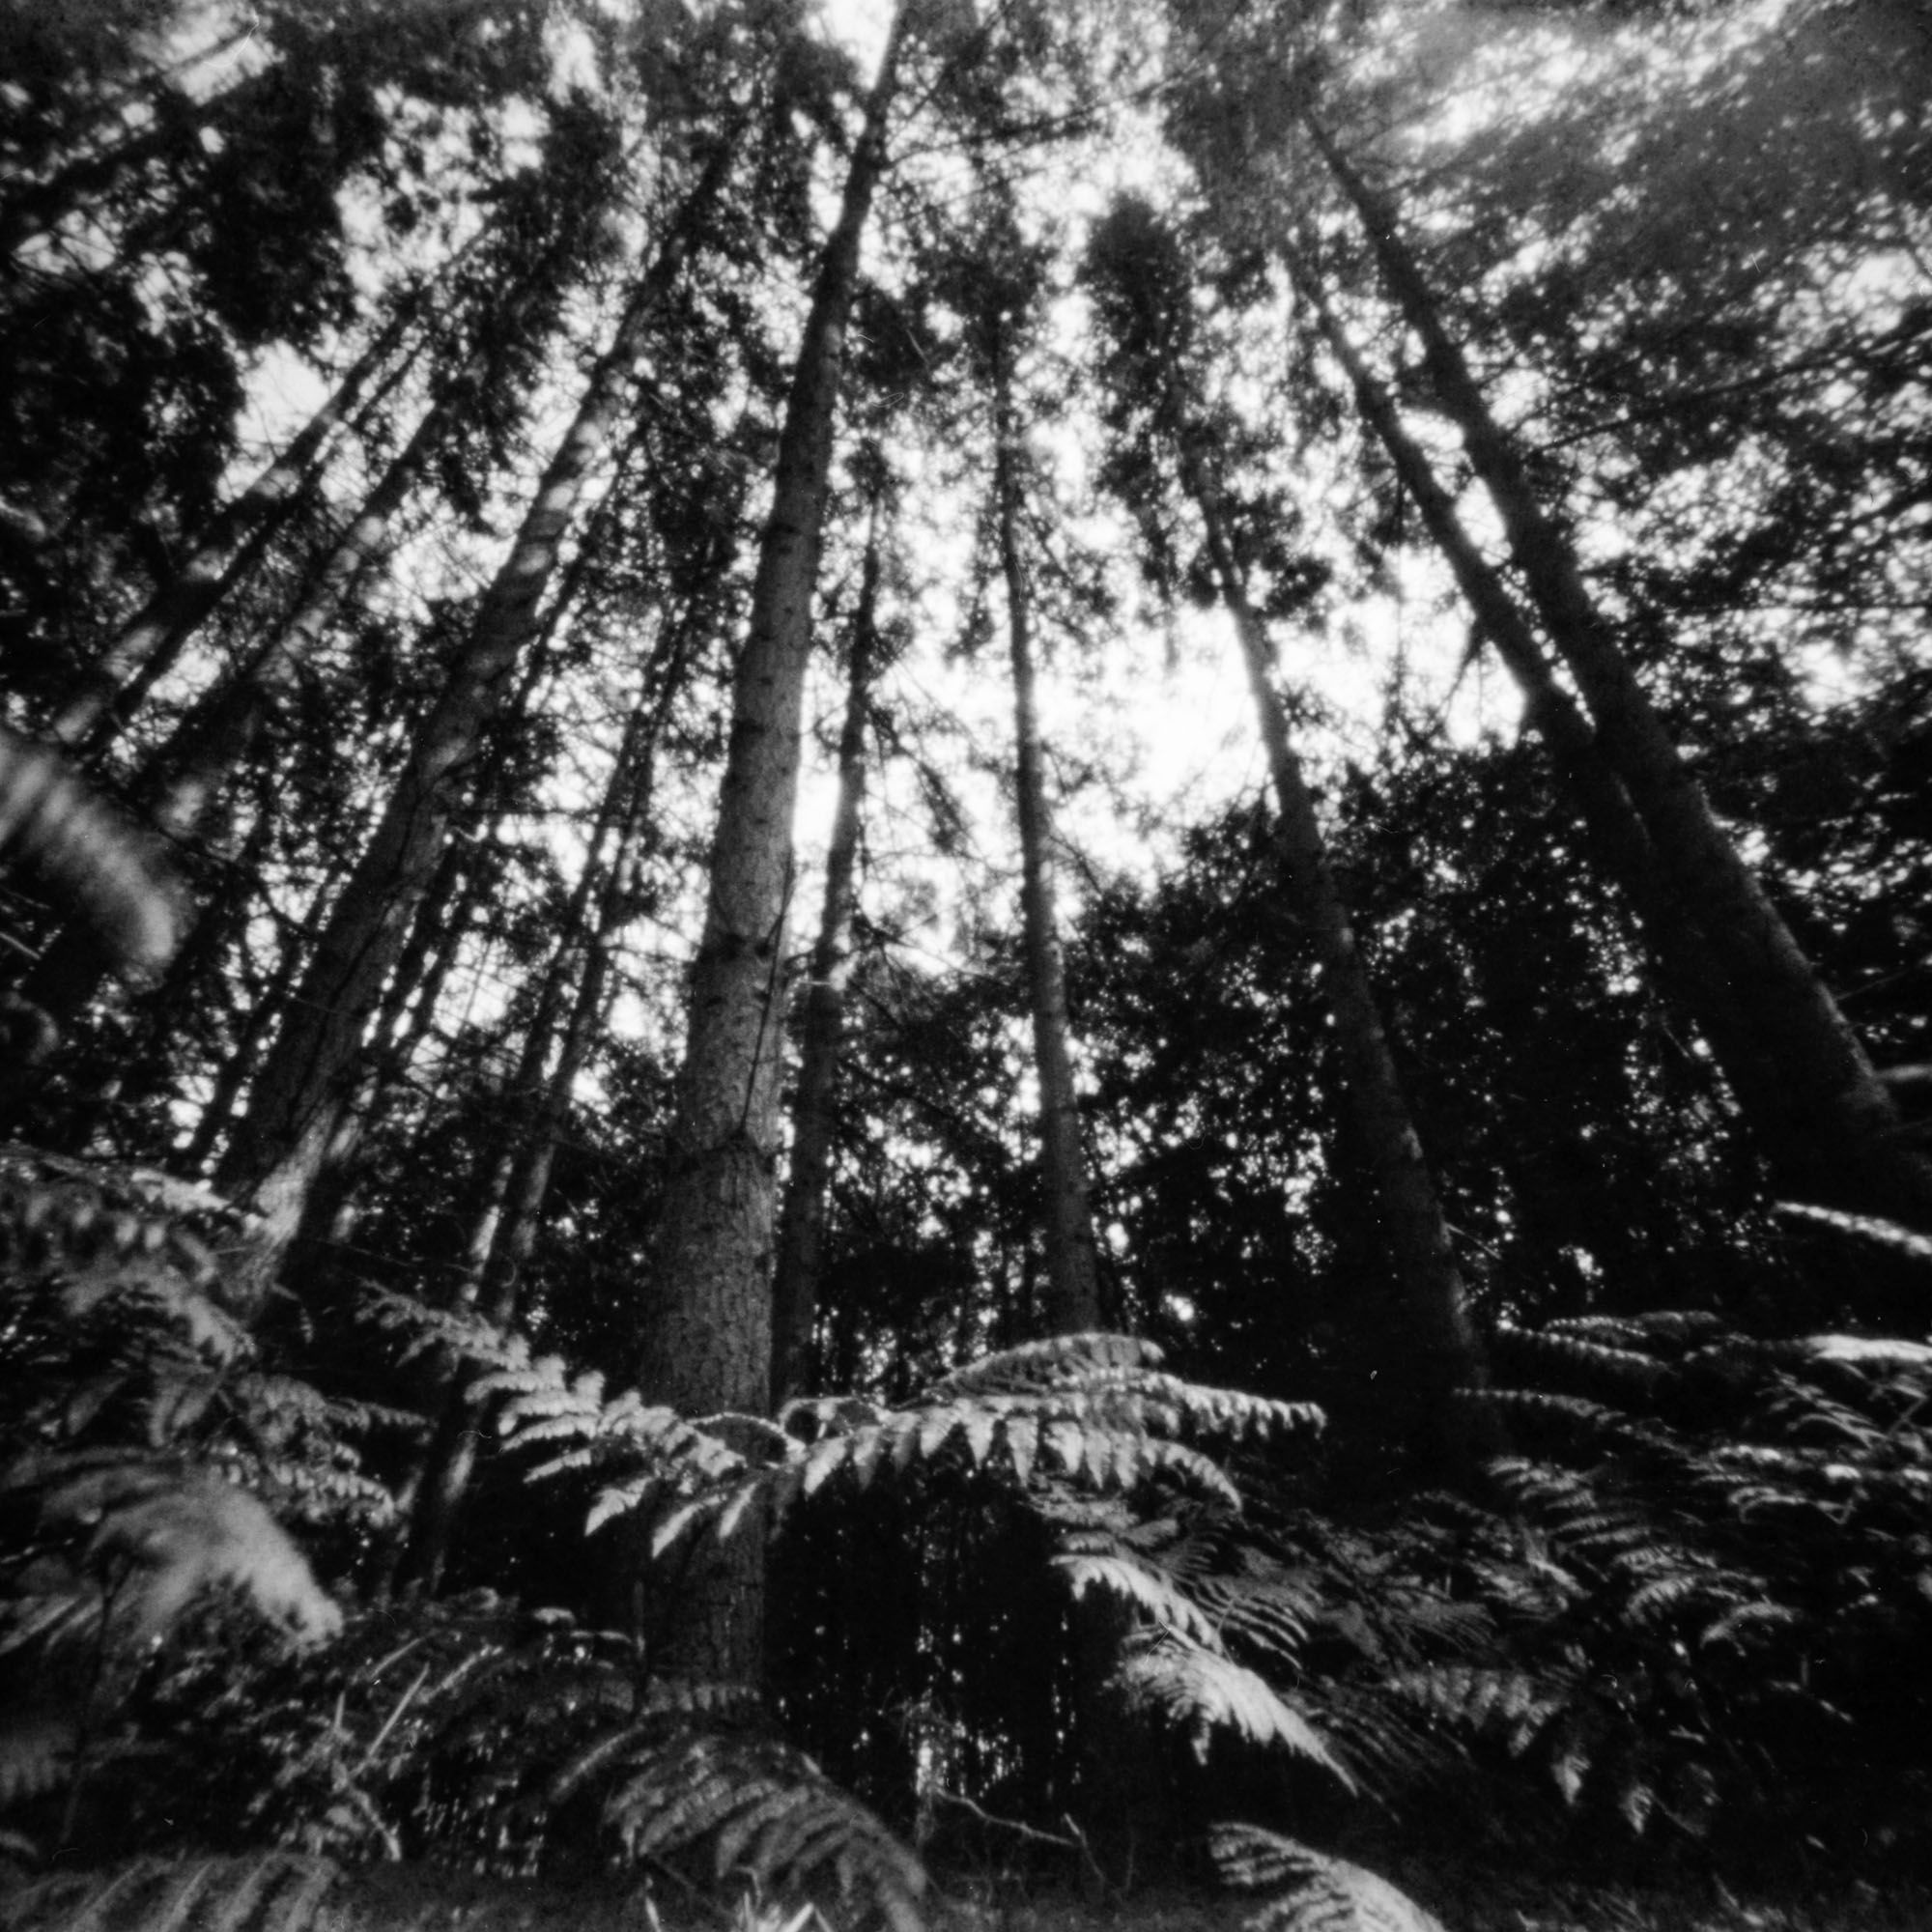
[151, 640]
[310, 1069]
[1443, 1354]
[1071, 1304]
[801, 1251]
[1687, 966]
[1839, 1138]
[505, 1234]
[705, 1340]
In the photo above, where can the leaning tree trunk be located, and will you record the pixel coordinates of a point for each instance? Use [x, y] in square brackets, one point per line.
[1837, 1135]
[1442, 1355]
[517, 1207]
[209, 748]
[1687, 967]
[151, 640]
[801, 1223]
[310, 1071]
[437, 1485]
[1071, 1304]
[706, 1335]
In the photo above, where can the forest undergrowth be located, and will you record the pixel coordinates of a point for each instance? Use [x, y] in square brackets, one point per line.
[1049, 1624]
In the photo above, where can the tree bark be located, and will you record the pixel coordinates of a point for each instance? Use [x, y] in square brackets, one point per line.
[1687, 967]
[707, 1337]
[800, 1252]
[516, 1206]
[1837, 1135]
[1443, 1354]
[310, 1069]
[1071, 1304]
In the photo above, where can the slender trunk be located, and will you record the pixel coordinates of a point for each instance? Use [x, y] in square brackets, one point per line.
[1839, 1136]
[1071, 1304]
[311, 1069]
[505, 1233]
[236, 1070]
[1687, 967]
[212, 742]
[801, 1250]
[705, 1340]
[209, 746]
[154, 638]
[1443, 1354]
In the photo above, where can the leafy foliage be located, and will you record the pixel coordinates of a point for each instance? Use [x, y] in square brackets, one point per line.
[1711, 1586]
[274, 1892]
[520, 1741]
[1091, 1409]
[1311, 1892]
[143, 1459]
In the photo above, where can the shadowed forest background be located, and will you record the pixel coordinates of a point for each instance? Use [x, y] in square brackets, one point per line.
[967, 948]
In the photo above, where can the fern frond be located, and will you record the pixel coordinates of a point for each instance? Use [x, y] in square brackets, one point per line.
[1676, 1326]
[1577, 1418]
[91, 858]
[1206, 1695]
[762, 1808]
[1592, 1367]
[156, 1540]
[1866, 1226]
[263, 1892]
[1136, 1583]
[1319, 1893]
[1391, 1747]
[1269, 1616]
[1510, 1706]
[1054, 1360]
[1697, 1590]
[461, 1334]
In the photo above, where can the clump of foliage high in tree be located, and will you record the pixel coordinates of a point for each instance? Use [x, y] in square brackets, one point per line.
[1318, 1262]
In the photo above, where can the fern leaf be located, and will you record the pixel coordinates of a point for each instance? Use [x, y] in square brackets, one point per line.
[165, 1537]
[1320, 1893]
[1208, 1694]
[1021, 1436]
[1509, 1705]
[625, 1499]
[670, 1801]
[1044, 1364]
[90, 857]
[1866, 1226]
[1594, 1367]
[262, 1891]
[1132, 1582]
[676, 1524]
[740, 1509]
[823, 1459]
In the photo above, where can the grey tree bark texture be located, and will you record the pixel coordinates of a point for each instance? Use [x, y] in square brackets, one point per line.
[1071, 1304]
[802, 1220]
[705, 1323]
